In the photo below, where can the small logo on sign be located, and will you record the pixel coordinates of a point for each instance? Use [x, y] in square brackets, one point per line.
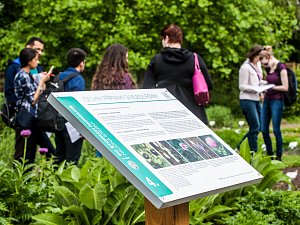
[133, 165]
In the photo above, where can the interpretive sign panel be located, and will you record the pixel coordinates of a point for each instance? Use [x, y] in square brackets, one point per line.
[165, 151]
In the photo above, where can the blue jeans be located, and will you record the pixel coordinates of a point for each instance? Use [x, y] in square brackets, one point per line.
[272, 109]
[251, 110]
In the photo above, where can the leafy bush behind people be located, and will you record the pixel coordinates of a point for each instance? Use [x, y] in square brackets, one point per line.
[221, 115]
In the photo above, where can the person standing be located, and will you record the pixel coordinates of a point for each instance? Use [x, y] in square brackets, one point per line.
[112, 72]
[173, 69]
[65, 148]
[250, 77]
[27, 93]
[12, 69]
[273, 100]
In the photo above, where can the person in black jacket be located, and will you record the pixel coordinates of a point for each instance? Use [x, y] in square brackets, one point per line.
[173, 68]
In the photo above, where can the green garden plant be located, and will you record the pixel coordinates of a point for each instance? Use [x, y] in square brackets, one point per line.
[266, 207]
[203, 211]
[94, 194]
[270, 169]
[212, 209]
[23, 190]
[221, 115]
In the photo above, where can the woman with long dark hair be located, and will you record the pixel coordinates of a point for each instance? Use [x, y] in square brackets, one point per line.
[113, 73]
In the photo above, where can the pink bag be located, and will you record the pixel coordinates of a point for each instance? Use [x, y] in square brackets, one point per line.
[201, 93]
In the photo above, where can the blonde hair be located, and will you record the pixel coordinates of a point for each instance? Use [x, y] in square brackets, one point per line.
[267, 52]
[269, 49]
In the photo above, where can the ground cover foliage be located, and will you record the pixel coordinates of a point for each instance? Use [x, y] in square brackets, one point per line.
[95, 193]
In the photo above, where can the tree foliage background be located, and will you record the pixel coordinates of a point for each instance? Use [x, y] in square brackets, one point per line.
[222, 31]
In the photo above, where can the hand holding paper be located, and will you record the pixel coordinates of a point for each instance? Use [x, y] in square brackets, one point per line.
[263, 88]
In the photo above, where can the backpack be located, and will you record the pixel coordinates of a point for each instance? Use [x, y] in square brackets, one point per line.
[290, 97]
[8, 114]
[48, 118]
[8, 109]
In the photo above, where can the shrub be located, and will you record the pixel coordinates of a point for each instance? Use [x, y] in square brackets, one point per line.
[267, 207]
[220, 114]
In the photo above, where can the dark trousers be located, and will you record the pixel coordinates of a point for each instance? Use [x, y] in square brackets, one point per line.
[37, 137]
[252, 111]
[65, 149]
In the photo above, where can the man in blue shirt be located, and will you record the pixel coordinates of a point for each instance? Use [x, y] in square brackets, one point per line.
[65, 148]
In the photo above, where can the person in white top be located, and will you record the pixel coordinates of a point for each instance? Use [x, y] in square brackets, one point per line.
[250, 78]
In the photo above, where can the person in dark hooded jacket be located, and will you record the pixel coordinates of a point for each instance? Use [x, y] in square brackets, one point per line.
[173, 68]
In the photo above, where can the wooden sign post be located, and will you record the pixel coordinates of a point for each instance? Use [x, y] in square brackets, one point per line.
[174, 215]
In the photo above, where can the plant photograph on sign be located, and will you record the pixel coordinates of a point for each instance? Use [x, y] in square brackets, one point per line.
[168, 152]
[200, 148]
[185, 150]
[151, 156]
[216, 146]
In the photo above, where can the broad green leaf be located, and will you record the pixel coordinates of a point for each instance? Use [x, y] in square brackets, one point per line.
[217, 210]
[273, 166]
[114, 201]
[60, 168]
[71, 174]
[65, 196]
[93, 198]
[245, 151]
[257, 158]
[262, 164]
[78, 212]
[49, 219]
[124, 207]
[95, 175]
[272, 178]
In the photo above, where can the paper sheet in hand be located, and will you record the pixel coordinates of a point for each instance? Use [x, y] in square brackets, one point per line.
[263, 88]
[73, 133]
[165, 151]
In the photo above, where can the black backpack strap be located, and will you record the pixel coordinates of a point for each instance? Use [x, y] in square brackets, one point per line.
[66, 79]
[69, 77]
